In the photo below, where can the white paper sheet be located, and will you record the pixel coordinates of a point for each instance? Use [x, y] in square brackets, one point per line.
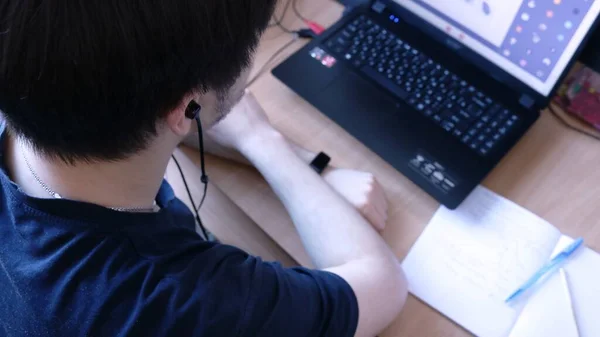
[469, 260]
[548, 314]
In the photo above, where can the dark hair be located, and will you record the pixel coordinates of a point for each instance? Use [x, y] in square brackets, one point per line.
[90, 79]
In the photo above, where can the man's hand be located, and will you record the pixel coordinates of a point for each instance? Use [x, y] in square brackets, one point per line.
[363, 192]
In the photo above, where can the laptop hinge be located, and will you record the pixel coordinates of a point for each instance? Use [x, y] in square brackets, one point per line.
[378, 7]
[527, 101]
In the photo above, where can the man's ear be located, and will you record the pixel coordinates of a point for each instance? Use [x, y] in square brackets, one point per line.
[178, 121]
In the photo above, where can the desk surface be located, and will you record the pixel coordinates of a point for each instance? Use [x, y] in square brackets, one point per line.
[553, 171]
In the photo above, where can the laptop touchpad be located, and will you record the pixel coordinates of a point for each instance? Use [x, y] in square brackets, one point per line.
[359, 107]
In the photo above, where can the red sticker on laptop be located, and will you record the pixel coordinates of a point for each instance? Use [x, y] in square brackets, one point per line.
[325, 59]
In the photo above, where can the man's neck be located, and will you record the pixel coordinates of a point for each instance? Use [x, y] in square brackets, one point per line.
[130, 183]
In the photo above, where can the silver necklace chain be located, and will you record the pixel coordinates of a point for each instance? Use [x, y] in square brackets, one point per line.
[55, 195]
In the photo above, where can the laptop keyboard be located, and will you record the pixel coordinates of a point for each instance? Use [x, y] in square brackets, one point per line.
[427, 86]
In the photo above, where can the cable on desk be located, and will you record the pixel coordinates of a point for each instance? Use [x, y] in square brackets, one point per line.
[565, 123]
[278, 22]
[187, 189]
[297, 12]
[266, 64]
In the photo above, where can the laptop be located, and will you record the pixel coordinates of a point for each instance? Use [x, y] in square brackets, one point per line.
[441, 89]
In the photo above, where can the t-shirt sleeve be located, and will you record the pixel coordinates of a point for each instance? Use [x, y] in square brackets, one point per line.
[297, 302]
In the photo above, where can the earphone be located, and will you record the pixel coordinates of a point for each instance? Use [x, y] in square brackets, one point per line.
[192, 111]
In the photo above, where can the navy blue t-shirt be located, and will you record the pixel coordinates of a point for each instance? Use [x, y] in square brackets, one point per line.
[75, 269]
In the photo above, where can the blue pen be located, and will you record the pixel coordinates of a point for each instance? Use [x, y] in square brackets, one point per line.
[548, 267]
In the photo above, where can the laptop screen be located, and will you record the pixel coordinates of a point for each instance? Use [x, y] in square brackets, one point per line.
[533, 40]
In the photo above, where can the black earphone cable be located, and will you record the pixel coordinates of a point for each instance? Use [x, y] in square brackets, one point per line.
[189, 193]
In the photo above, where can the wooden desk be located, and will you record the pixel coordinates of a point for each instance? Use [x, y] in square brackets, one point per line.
[553, 171]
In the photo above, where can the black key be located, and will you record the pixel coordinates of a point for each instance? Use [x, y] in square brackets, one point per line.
[479, 125]
[496, 137]
[342, 41]
[428, 112]
[447, 125]
[494, 110]
[393, 88]
[466, 138]
[502, 131]
[483, 150]
[437, 118]
[338, 49]
[473, 132]
[346, 33]
[447, 114]
[457, 132]
[464, 114]
[474, 144]
[487, 131]
[412, 101]
[474, 110]
[455, 119]
[462, 126]
[489, 144]
[481, 137]
[479, 102]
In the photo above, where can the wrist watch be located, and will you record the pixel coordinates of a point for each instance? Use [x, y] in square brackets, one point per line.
[319, 164]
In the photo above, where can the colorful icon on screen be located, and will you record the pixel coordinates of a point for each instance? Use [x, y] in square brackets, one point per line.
[550, 14]
[523, 63]
[536, 38]
[513, 40]
[525, 17]
[560, 37]
[543, 27]
[531, 4]
[546, 61]
[519, 29]
[506, 52]
[568, 24]
[557, 2]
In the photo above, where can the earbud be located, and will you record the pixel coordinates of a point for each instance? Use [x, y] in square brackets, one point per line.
[193, 110]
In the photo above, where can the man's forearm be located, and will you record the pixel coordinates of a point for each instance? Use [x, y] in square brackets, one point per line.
[333, 232]
[215, 149]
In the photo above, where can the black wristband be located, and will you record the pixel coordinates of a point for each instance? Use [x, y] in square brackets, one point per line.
[320, 162]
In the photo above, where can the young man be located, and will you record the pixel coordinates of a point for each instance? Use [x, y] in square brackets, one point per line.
[96, 95]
